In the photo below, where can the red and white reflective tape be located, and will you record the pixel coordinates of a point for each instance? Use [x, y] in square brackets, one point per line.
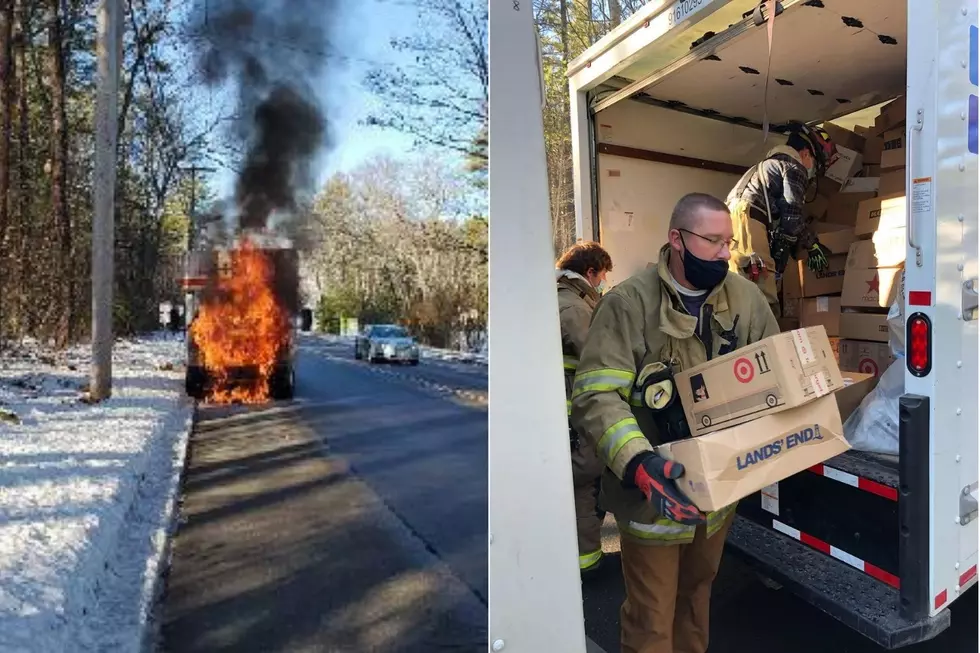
[966, 577]
[856, 481]
[818, 544]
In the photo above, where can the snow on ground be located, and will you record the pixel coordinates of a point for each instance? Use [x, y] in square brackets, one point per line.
[86, 494]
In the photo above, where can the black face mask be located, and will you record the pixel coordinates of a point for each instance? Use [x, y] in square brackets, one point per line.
[702, 274]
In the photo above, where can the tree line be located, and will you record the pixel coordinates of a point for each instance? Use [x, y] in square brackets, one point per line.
[393, 242]
[47, 98]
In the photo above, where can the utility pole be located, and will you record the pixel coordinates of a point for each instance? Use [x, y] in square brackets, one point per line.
[109, 53]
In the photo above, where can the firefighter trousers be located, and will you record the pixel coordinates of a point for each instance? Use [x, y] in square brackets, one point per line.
[668, 593]
[752, 240]
[588, 522]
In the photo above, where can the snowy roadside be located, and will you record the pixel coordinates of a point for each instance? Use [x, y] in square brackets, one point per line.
[86, 495]
[432, 353]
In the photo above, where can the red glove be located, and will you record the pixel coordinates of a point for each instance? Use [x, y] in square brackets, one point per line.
[655, 477]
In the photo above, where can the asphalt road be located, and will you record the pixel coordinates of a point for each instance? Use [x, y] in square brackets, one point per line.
[747, 617]
[351, 519]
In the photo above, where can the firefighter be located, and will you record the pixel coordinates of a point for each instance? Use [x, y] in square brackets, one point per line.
[767, 210]
[581, 272]
[676, 314]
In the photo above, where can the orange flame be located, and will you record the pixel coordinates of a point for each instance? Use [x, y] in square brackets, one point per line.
[241, 326]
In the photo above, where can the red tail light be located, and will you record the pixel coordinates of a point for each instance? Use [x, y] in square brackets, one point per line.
[918, 344]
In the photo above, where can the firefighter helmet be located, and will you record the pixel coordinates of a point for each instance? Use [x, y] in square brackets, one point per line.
[818, 140]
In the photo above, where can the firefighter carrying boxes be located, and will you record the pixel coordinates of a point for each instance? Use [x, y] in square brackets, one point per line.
[672, 316]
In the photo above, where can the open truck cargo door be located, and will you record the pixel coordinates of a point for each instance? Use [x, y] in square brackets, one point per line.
[675, 101]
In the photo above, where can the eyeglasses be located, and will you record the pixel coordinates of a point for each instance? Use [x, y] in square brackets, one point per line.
[718, 243]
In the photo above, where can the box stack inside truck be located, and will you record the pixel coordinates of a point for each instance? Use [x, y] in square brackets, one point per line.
[858, 213]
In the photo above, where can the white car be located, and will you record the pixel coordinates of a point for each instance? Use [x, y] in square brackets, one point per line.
[386, 342]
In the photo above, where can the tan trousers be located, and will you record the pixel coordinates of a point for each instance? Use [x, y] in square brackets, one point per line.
[668, 593]
[587, 520]
[753, 238]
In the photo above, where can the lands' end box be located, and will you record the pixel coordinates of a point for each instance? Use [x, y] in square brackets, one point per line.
[725, 466]
[780, 372]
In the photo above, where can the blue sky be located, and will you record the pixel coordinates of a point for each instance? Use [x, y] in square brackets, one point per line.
[362, 38]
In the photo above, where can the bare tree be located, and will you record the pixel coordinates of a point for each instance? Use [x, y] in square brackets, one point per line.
[391, 245]
[441, 97]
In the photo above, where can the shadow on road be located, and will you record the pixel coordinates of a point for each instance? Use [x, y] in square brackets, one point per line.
[281, 549]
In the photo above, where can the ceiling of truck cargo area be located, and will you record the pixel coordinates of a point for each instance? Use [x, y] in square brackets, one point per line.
[829, 58]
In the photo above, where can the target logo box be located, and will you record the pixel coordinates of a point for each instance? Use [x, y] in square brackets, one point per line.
[866, 357]
[781, 372]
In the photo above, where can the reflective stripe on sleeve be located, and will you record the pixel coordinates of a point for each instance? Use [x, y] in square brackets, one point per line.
[570, 363]
[616, 436]
[604, 380]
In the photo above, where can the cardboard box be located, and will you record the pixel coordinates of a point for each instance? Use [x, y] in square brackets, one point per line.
[725, 466]
[864, 326]
[799, 281]
[893, 155]
[835, 346]
[873, 147]
[885, 212]
[892, 182]
[823, 311]
[787, 324]
[886, 249]
[769, 376]
[842, 137]
[835, 237]
[862, 185]
[873, 170]
[892, 114]
[868, 357]
[857, 386]
[791, 308]
[842, 208]
[847, 165]
[870, 287]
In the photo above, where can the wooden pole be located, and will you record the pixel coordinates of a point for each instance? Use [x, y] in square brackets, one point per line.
[109, 49]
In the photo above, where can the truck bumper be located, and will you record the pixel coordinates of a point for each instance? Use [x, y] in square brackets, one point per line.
[850, 596]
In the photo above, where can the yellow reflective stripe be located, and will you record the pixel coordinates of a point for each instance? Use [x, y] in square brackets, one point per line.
[568, 406]
[636, 398]
[604, 380]
[589, 559]
[663, 529]
[717, 518]
[616, 437]
[570, 363]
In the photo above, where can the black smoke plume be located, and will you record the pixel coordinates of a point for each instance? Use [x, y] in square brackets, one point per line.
[274, 52]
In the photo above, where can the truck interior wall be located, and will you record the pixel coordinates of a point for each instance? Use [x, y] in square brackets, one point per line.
[636, 196]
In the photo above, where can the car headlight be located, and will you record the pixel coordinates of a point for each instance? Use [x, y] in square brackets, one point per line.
[389, 349]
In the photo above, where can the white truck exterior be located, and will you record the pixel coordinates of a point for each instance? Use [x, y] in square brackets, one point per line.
[655, 117]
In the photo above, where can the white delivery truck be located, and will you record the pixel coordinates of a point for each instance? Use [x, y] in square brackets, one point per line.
[675, 100]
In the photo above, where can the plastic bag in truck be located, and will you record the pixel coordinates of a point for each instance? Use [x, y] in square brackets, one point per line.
[896, 322]
[873, 427]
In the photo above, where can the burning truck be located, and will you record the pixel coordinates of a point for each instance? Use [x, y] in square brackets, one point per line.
[243, 300]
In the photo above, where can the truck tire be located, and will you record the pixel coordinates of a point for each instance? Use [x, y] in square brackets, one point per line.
[282, 384]
[195, 382]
